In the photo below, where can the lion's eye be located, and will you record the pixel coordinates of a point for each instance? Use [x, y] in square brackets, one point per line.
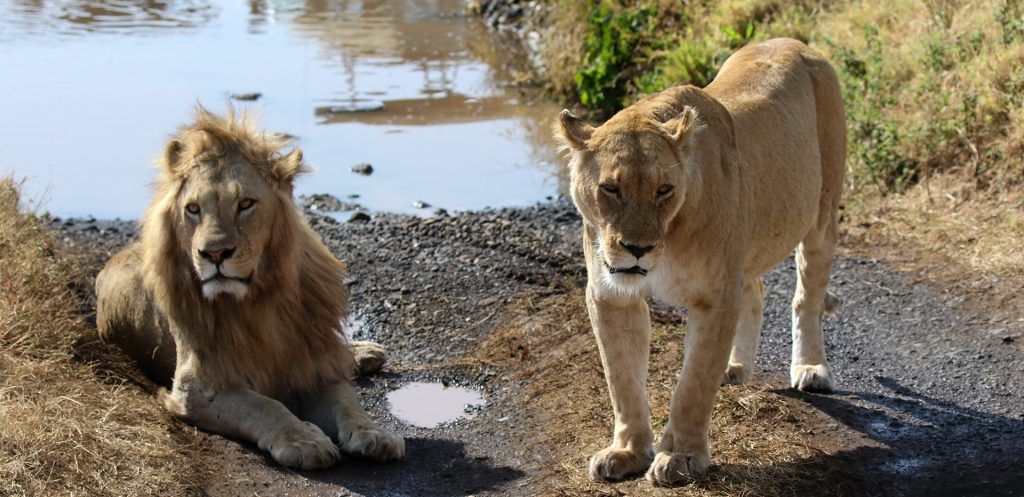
[192, 208]
[664, 190]
[609, 188]
[246, 204]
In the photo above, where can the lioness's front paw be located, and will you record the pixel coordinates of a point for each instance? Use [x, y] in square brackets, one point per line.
[737, 374]
[811, 378]
[673, 468]
[375, 444]
[369, 356]
[303, 446]
[615, 464]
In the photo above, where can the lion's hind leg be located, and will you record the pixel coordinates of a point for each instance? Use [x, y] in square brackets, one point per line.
[127, 317]
[369, 356]
[748, 335]
[809, 370]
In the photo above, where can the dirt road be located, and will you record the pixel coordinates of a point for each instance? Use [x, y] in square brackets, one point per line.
[931, 398]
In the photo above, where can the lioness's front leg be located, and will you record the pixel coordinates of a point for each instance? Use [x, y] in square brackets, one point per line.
[683, 450]
[623, 329]
[245, 414]
[337, 411]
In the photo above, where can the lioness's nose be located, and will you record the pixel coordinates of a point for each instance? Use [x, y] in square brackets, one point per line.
[217, 256]
[637, 250]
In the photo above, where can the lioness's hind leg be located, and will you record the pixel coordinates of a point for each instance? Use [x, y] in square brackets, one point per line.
[748, 335]
[809, 370]
[369, 356]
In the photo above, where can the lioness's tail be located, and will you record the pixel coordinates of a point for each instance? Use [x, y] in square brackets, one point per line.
[832, 303]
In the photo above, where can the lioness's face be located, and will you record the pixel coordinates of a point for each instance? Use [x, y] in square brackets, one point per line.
[628, 185]
[630, 197]
[226, 213]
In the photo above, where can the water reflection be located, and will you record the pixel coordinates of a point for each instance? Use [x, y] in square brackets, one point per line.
[71, 17]
[94, 93]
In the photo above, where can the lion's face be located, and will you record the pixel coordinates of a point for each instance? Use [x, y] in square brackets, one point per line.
[225, 213]
[629, 185]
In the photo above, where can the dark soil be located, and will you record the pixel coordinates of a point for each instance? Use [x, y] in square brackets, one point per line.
[931, 400]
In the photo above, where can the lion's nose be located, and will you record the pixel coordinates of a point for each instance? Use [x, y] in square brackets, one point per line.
[217, 256]
[637, 250]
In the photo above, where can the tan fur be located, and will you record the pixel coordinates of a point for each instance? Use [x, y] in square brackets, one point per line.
[689, 196]
[256, 331]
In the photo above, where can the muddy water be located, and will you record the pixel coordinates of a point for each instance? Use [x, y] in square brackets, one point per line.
[91, 90]
[428, 405]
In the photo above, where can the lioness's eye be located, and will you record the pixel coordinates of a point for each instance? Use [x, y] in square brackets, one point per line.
[192, 209]
[664, 190]
[610, 188]
[246, 204]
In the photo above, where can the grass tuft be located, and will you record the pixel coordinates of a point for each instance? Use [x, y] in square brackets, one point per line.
[69, 427]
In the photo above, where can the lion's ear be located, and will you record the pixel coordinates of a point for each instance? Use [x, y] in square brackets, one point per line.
[682, 129]
[289, 166]
[172, 154]
[572, 131]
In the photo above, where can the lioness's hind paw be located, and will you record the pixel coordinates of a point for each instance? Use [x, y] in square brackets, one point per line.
[674, 468]
[615, 464]
[375, 444]
[369, 356]
[811, 378]
[304, 447]
[737, 374]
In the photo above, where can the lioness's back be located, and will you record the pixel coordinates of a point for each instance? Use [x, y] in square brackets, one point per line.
[787, 109]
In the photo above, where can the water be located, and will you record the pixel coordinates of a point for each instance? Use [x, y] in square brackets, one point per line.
[92, 89]
[428, 405]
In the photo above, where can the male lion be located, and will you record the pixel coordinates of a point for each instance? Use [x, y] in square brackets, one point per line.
[690, 196]
[231, 290]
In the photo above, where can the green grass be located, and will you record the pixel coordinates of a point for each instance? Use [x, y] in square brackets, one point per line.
[930, 86]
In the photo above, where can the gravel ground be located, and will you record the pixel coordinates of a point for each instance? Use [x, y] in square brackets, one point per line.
[931, 399]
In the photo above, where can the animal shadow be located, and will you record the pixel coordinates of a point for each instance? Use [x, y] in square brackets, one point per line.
[930, 446]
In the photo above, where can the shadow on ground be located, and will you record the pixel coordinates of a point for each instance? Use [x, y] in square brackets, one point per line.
[929, 446]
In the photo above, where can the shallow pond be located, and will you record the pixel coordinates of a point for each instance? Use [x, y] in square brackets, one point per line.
[92, 89]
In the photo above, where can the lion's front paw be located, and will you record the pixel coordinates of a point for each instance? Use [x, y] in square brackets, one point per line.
[376, 444]
[737, 374]
[673, 468]
[369, 356]
[811, 378]
[615, 464]
[303, 446]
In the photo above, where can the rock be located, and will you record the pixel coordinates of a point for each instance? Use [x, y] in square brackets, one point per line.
[247, 97]
[359, 217]
[346, 108]
[364, 169]
[419, 204]
[325, 202]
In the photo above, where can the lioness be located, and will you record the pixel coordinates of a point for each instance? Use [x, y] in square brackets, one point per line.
[690, 196]
[231, 290]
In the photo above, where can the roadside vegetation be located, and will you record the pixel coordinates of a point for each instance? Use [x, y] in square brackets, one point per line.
[934, 93]
[76, 418]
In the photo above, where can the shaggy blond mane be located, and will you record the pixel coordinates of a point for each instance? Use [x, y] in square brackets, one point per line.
[286, 336]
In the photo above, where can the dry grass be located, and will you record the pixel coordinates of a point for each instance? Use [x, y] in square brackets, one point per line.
[69, 426]
[952, 236]
[758, 446]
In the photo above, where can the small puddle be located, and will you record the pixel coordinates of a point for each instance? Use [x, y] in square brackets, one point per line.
[429, 405]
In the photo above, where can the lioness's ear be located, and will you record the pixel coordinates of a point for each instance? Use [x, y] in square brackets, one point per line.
[289, 166]
[573, 132]
[172, 154]
[682, 129]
